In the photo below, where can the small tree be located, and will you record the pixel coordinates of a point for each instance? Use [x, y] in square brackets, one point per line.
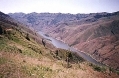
[43, 42]
[1, 30]
[56, 53]
[27, 37]
[68, 58]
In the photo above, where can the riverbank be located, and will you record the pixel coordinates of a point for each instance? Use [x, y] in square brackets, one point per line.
[59, 44]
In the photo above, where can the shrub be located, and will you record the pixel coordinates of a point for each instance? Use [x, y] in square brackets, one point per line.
[1, 30]
[117, 72]
[27, 37]
[98, 68]
[3, 60]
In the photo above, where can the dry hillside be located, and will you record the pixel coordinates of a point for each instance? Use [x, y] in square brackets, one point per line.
[96, 34]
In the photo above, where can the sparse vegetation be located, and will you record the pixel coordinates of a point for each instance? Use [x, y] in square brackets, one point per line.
[24, 58]
[37, 71]
[86, 32]
[112, 70]
[69, 57]
[2, 60]
[27, 37]
[98, 68]
[1, 30]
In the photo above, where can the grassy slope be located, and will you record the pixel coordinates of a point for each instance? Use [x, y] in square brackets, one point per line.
[22, 58]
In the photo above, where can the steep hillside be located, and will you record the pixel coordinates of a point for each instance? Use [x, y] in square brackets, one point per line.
[23, 56]
[99, 38]
[95, 33]
[101, 43]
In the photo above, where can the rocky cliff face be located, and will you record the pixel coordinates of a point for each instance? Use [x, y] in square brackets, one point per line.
[96, 34]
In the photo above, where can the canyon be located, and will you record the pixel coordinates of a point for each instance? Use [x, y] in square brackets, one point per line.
[96, 34]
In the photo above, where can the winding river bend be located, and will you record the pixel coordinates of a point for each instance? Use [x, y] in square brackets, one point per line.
[60, 44]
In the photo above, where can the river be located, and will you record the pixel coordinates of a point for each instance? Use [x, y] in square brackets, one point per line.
[62, 45]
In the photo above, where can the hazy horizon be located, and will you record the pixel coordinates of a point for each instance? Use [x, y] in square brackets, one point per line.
[59, 6]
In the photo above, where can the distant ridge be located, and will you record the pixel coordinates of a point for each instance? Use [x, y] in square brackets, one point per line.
[96, 34]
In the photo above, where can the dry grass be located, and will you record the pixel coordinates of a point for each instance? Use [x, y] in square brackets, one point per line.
[22, 58]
